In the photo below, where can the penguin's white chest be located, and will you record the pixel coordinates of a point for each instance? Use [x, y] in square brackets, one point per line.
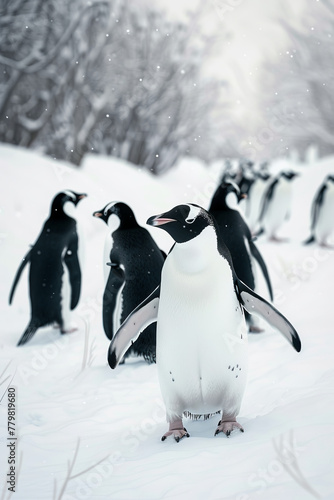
[279, 207]
[254, 203]
[201, 336]
[325, 224]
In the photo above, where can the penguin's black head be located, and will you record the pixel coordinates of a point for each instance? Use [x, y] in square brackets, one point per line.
[64, 197]
[289, 175]
[183, 222]
[119, 209]
[227, 196]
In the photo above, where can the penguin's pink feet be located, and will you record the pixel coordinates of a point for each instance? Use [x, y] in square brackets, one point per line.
[69, 330]
[227, 426]
[276, 239]
[176, 430]
[255, 329]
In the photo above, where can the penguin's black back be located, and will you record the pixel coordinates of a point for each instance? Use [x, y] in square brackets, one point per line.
[46, 269]
[142, 262]
[234, 231]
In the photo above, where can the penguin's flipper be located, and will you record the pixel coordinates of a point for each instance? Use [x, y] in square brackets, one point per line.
[254, 304]
[256, 254]
[267, 198]
[72, 263]
[29, 332]
[140, 318]
[24, 262]
[316, 204]
[114, 283]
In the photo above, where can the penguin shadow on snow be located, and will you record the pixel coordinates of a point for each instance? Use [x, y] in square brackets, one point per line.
[54, 269]
[132, 270]
[202, 355]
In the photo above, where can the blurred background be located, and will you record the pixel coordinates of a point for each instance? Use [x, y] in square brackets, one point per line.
[153, 82]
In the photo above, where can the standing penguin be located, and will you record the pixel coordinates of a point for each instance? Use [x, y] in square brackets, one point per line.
[50, 281]
[254, 199]
[134, 271]
[322, 222]
[276, 204]
[238, 238]
[201, 332]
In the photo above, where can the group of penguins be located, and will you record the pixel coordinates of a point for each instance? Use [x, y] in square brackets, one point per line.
[268, 200]
[189, 310]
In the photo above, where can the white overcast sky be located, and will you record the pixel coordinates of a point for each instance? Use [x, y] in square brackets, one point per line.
[255, 34]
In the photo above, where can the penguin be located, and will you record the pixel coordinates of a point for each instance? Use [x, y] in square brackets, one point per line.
[276, 205]
[132, 271]
[54, 274]
[238, 239]
[254, 199]
[201, 330]
[322, 213]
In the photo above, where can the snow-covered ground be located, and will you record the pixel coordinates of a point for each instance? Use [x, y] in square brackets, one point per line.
[85, 431]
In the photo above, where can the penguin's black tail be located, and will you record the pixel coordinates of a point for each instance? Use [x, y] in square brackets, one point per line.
[309, 240]
[28, 334]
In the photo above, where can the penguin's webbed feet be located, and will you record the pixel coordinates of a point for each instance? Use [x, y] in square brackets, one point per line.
[176, 430]
[227, 427]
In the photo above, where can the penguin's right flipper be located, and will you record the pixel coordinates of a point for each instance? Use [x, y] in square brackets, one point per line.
[71, 260]
[29, 332]
[256, 254]
[316, 204]
[141, 317]
[254, 304]
[24, 262]
[114, 283]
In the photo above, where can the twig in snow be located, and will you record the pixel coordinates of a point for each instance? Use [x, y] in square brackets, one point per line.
[291, 466]
[69, 477]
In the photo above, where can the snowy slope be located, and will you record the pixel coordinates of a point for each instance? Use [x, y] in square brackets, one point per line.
[85, 431]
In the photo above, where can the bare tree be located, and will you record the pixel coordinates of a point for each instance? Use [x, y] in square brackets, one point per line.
[104, 76]
[303, 79]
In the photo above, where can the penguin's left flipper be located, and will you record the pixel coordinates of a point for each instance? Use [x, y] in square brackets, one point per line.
[256, 254]
[72, 262]
[114, 283]
[254, 304]
[141, 317]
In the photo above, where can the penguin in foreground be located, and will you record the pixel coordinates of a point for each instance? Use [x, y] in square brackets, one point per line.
[201, 330]
[54, 275]
[276, 204]
[322, 222]
[238, 238]
[133, 264]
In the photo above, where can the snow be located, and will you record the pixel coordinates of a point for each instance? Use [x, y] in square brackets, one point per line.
[74, 412]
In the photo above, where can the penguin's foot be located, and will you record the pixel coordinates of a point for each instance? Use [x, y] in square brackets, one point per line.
[255, 329]
[176, 430]
[227, 427]
[68, 330]
[275, 239]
